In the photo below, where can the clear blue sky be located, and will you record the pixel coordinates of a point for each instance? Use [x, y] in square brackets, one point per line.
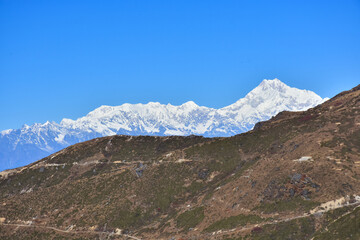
[65, 58]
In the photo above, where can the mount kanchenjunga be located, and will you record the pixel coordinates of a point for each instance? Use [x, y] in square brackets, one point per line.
[30, 143]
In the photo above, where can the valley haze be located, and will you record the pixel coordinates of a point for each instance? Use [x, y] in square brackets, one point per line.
[19, 147]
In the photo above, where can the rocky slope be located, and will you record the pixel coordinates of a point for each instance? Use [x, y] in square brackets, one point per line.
[31, 143]
[296, 176]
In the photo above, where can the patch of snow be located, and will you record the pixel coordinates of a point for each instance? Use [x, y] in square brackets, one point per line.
[304, 159]
[182, 160]
[60, 138]
[174, 132]
[5, 132]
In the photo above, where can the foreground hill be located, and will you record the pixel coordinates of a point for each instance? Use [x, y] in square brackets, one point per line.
[296, 176]
[30, 143]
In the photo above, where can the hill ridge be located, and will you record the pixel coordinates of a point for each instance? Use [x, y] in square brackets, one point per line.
[30, 143]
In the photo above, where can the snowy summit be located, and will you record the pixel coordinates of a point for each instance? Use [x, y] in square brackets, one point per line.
[30, 143]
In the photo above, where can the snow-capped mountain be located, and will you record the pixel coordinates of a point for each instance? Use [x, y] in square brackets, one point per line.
[30, 143]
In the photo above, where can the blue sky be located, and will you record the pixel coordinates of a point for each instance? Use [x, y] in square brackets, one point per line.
[65, 58]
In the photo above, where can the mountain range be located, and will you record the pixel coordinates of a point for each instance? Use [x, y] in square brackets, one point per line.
[19, 147]
[295, 176]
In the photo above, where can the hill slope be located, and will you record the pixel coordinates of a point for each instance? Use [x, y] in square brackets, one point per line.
[296, 176]
[31, 143]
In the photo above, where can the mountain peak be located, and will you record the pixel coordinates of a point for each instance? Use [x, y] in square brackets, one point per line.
[269, 87]
[7, 131]
[272, 81]
[153, 104]
[189, 104]
[272, 84]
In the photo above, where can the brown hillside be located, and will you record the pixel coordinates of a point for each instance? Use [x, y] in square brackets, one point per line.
[268, 183]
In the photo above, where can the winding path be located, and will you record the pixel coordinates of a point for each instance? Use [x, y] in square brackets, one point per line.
[68, 231]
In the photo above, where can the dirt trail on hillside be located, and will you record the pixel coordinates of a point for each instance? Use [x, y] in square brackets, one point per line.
[250, 227]
[213, 234]
[70, 231]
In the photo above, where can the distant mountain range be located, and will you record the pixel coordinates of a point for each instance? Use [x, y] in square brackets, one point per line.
[19, 147]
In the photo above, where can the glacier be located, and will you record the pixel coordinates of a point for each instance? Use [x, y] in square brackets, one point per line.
[19, 147]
